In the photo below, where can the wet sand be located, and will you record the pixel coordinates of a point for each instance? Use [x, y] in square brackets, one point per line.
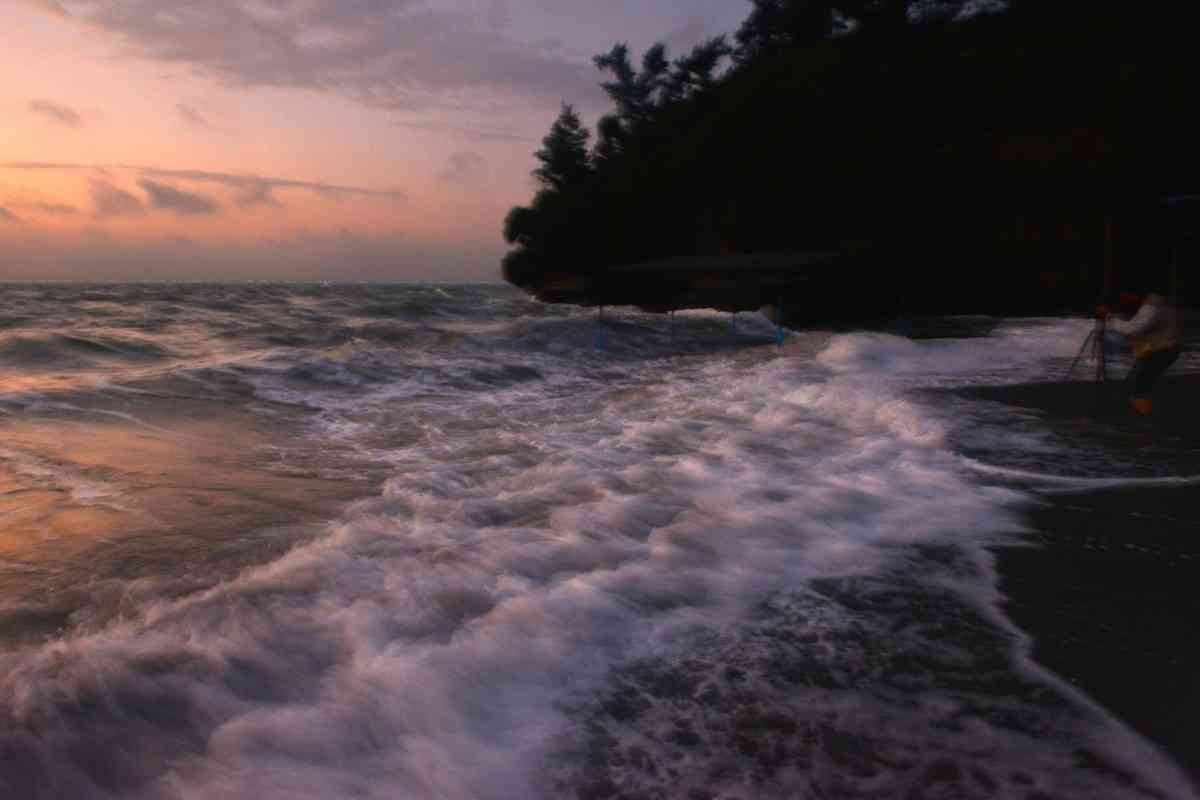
[1110, 588]
[1176, 412]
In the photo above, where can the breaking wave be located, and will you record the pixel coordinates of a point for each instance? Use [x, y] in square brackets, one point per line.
[689, 564]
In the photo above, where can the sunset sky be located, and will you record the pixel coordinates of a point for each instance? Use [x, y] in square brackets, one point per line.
[292, 139]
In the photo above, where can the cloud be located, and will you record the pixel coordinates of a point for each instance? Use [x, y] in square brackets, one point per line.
[463, 168]
[499, 14]
[170, 198]
[192, 117]
[475, 133]
[97, 254]
[396, 54]
[8, 216]
[52, 6]
[44, 165]
[111, 201]
[253, 182]
[57, 209]
[55, 112]
[248, 186]
[54, 209]
[257, 194]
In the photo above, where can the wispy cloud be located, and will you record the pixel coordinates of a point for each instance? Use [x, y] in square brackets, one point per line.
[464, 168]
[56, 112]
[7, 216]
[53, 209]
[192, 117]
[400, 54]
[109, 200]
[52, 6]
[247, 185]
[473, 132]
[499, 14]
[246, 182]
[99, 254]
[57, 209]
[257, 194]
[170, 198]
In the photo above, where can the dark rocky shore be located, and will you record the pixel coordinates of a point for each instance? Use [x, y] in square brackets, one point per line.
[1108, 589]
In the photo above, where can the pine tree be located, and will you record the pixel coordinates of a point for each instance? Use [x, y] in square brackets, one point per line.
[564, 154]
[634, 93]
[694, 73]
[782, 24]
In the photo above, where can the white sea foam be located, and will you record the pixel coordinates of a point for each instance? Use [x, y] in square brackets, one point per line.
[533, 540]
[1073, 483]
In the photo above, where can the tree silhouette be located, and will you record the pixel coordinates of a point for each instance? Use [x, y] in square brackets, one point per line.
[780, 24]
[564, 155]
[695, 73]
[635, 93]
[940, 149]
[609, 141]
[877, 17]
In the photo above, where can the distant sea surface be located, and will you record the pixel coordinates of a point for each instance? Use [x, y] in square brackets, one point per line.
[422, 541]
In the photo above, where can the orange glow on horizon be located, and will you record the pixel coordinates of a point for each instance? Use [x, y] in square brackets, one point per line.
[117, 110]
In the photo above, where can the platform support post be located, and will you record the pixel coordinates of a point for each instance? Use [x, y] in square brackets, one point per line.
[779, 335]
[601, 335]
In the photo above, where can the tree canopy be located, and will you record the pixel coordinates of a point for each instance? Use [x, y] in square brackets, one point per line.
[943, 132]
[566, 162]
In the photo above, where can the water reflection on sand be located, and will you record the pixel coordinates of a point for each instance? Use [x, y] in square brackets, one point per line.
[150, 497]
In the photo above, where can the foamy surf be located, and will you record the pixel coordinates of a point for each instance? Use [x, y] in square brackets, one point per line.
[690, 562]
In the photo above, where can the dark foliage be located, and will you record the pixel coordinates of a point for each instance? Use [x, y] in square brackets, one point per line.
[776, 25]
[961, 156]
[566, 164]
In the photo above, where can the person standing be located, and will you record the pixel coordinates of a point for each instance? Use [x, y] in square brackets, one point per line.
[1154, 333]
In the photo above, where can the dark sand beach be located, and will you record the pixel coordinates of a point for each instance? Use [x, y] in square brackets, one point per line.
[1108, 588]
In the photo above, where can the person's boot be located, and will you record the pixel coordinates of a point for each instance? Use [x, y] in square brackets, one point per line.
[1142, 406]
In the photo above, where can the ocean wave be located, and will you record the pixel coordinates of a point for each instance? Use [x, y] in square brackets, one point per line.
[1070, 483]
[610, 555]
[63, 351]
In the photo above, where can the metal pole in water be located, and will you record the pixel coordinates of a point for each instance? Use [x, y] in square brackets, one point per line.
[1087, 347]
[779, 322]
[1175, 276]
[601, 337]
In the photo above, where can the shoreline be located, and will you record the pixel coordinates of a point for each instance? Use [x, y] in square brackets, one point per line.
[1104, 582]
[1107, 594]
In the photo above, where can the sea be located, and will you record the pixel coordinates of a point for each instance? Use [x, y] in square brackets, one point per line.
[446, 541]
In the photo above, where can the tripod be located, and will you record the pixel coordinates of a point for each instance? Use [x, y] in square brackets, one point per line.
[1093, 345]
